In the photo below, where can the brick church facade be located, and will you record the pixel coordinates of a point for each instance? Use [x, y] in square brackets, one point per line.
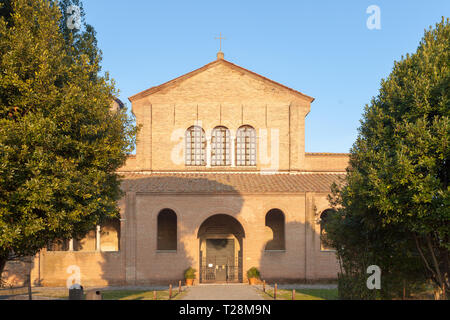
[220, 182]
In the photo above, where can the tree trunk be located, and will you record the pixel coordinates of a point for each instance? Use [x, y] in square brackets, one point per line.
[440, 291]
[404, 289]
[446, 271]
[424, 259]
[440, 276]
[30, 296]
[3, 260]
[30, 262]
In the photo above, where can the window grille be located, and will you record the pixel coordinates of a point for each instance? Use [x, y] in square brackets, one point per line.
[195, 146]
[220, 147]
[246, 146]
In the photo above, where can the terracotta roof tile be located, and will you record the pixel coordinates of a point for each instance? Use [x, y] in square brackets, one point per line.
[228, 182]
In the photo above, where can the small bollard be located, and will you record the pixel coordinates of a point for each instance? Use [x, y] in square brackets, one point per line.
[154, 294]
[264, 286]
[179, 286]
[94, 295]
[275, 292]
[293, 294]
[76, 292]
[170, 292]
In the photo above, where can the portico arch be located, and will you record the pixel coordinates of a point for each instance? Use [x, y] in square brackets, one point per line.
[221, 249]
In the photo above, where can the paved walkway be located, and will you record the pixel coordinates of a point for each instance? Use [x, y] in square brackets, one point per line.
[222, 292]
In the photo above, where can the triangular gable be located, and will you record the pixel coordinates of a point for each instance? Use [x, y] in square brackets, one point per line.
[206, 67]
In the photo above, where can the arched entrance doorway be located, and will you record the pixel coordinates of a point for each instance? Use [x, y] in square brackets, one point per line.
[221, 247]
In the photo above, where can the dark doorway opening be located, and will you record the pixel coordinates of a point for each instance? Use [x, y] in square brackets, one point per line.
[221, 250]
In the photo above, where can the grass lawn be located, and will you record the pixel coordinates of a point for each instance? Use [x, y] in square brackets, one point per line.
[140, 295]
[107, 294]
[331, 294]
[303, 294]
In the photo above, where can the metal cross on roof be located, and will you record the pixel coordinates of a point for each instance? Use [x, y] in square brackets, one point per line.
[220, 38]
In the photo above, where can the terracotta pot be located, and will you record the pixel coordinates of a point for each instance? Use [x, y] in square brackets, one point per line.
[189, 282]
[252, 281]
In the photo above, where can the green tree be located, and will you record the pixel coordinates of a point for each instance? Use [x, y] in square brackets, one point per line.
[361, 240]
[60, 145]
[397, 184]
[83, 40]
[6, 10]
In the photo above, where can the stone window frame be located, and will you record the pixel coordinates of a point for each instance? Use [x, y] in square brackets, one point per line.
[220, 146]
[322, 220]
[195, 151]
[246, 144]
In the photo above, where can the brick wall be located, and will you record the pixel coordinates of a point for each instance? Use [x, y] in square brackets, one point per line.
[326, 162]
[217, 96]
[141, 263]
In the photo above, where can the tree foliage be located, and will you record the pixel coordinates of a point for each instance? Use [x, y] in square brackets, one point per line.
[60, 146]
[396, 199]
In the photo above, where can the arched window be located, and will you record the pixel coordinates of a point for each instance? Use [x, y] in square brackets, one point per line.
[275, 221]
[167, 230]
[110, 235]
[323, 220]
[220, 147]
[246, 146]
[195, 146]
[86, 243]
[58, 245]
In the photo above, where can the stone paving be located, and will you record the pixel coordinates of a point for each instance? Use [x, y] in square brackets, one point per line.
[222, 292]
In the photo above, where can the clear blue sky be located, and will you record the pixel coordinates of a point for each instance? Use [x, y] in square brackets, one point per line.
[321, 48]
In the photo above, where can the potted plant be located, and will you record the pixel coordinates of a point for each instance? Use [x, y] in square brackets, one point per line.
[189, 276]
[253, 275]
